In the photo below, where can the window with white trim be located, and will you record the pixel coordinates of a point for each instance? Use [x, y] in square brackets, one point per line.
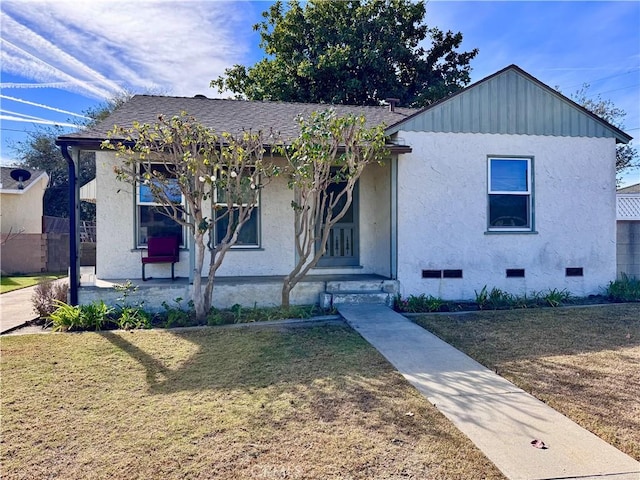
[150, 221]
[249, 236]
[510, 194]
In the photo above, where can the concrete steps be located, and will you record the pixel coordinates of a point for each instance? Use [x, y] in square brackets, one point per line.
[380, 292]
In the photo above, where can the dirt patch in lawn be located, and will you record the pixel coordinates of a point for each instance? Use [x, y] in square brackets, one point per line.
[260, 403]
[581, 361]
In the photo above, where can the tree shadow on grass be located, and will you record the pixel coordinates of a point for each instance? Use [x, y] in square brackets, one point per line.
[246, 358]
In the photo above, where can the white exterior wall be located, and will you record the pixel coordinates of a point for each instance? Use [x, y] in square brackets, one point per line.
[22, 209]
[117, 259]
[375, 213]
[442, 217]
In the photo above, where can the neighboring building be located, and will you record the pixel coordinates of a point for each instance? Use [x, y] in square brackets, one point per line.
[507, 184]
[628, 231]
[21, 209]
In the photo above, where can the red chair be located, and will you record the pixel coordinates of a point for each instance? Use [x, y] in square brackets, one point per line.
[162, 250]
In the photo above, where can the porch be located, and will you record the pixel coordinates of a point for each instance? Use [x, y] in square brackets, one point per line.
[247, 291]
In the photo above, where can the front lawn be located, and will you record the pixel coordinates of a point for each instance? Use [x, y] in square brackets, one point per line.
[225, 403]
[16, 282]
[584, 362]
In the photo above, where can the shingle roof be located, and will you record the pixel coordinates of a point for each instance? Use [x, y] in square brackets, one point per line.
[630, 189]
[8, 183]
[231, 115]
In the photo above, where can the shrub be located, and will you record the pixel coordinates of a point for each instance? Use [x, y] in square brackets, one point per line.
[418, 303]
[95, 315]
[178, 315]
[79, 317]
[500, 299]
[625, 289]
[65, 317]
[45, 295]
[128, 318]
[555, 297]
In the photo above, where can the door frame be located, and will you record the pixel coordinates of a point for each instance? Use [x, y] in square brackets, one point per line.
[327, 261]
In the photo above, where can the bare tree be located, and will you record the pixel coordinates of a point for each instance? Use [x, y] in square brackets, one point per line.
[329, 150]
[199, 178]
[626, 155]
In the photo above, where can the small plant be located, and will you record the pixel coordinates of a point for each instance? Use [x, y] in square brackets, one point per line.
[132, 317]
[45, 295]
[625, 289]
[418, 303]
[482, 298]
[126, 289]
[178, 316]
[65, 317]
[95, 315]
[79, 317]
[236, 310]
[500, 299]
[495, 299]
[555, 298]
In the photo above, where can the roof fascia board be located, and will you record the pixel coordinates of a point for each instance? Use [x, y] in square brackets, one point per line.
[17, 191]
[95, 144]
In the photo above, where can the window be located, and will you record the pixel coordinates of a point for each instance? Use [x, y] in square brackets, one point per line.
[151, 222]
[510, 190]
[250, 232]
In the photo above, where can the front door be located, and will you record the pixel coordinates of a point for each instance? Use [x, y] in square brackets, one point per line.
[343, 243]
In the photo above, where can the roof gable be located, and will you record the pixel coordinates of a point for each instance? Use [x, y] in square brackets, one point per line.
[10, 185]
[510, 102]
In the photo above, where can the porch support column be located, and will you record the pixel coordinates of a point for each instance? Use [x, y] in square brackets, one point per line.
[72, 156]
[393, 253]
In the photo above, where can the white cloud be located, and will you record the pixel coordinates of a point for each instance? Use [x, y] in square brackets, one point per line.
[97, 48]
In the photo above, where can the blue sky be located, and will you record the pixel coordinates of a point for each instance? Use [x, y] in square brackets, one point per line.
[60, 58]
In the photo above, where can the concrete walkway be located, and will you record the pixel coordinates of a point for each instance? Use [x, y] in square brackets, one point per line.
[16, 309]
[498, 417]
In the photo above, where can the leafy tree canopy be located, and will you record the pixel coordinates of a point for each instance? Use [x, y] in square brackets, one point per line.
[40, 152]
[351, 52]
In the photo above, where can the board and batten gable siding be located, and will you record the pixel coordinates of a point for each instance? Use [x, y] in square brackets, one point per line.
[442, 215]
[510, 102]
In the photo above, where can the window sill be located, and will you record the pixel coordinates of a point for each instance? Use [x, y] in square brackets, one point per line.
[511, 232]
[143, 249]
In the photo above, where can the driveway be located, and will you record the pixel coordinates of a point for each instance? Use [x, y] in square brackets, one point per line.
[16, 309]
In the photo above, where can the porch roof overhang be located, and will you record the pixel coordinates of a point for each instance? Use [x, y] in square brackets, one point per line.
[94, 144]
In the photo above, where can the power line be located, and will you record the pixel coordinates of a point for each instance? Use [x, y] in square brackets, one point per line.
[589, 82]
[617, 89]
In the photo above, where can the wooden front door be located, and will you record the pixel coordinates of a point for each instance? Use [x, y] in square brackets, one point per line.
[343, 245]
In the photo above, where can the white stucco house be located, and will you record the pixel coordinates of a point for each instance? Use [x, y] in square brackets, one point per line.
[506, 183]
[21, 209]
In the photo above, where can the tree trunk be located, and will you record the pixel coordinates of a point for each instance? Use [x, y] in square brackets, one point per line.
[199, 300]
[286, 292]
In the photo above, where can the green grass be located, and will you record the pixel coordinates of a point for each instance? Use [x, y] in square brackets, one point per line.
[16, 282]
[226, 403]
[582, 361]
